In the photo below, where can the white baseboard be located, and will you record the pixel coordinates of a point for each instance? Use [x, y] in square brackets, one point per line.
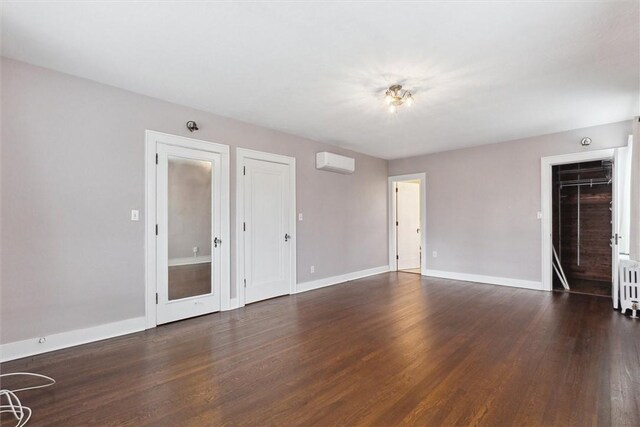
[189, 260]
[328, 281]
[501, 281]
[30, 347]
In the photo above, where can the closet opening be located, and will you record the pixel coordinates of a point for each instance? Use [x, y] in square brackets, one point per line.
[582, 210]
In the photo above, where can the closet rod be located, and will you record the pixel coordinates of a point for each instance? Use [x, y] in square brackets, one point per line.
[580, 184]
[596, 169]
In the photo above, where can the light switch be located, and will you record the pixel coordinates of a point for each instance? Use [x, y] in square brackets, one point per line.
[299, 217]
[135, 215]
[539, 215]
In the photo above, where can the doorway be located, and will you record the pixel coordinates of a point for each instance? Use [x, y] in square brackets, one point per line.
[594, 199]
[266, 225]
[187, 219]
[407, 219]
[582, 227]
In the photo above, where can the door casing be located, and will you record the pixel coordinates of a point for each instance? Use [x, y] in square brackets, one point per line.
[152, 138]
[546, 176]
[422, 177]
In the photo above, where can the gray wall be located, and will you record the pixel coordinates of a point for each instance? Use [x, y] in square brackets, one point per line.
[482, 201]
[72, 168]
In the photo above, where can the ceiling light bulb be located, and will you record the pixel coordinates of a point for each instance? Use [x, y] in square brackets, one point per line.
[409, 100]
[388, 98]
[392, 109]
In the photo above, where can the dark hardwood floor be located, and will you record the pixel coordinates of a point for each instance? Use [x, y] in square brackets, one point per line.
[588, 287]
[391, 349]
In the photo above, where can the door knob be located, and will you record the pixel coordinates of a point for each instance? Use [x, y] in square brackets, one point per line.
[286, 237]
[216, 242]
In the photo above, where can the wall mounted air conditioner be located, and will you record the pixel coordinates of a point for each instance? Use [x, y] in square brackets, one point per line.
[335, 163]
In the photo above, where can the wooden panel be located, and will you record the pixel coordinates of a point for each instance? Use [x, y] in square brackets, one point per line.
[595, 224]
[595, 233]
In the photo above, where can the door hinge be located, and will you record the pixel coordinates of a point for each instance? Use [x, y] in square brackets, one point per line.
[396, 189]
[397, 257]
[156, 158]
[244, 226]
[156, 297]
[245, 283]
[396, 223]
[156, 229]
[244, 170]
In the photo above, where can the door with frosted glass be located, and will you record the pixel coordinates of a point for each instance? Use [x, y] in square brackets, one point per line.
[189, 224]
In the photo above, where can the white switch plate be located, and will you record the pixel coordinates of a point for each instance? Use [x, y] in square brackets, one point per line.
[299, 217]
[313, 268]
[539, 215]
[435, 254]
[135, 215]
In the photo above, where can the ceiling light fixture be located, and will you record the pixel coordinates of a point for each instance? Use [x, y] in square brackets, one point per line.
[394, 97]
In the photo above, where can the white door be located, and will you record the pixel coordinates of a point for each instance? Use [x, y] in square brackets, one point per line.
[408, 225]
[268, 241]
[188, 204]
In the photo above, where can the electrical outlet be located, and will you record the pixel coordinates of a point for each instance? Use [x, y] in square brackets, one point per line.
[313, 269]
[135, 215]
[435, 254]
[195, 250]
[539, 215]
[299, 217]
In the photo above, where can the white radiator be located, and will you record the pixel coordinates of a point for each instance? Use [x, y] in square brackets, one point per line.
[630, 286]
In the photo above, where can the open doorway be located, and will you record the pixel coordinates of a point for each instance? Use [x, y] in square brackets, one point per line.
[582, 227]
[585, 220]
[407, 217]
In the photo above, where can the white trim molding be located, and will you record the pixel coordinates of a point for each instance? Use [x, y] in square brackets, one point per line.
[334, 280]
[152, 138]
[422, 177]
[191, 260]
[33, 346]
[489, 280]
[546, 182]
[241, 155]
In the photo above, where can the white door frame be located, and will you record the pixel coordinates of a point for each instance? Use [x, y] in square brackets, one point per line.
[422, 177]
[152, 138]
[241, 155]
[546, 184]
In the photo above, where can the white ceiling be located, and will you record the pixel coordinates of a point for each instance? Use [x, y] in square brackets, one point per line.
[480, 72]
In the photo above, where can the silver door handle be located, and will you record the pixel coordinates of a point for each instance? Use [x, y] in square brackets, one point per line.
[216, 242]
[286, 237]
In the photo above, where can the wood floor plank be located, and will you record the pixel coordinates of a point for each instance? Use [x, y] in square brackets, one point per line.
[391, 349]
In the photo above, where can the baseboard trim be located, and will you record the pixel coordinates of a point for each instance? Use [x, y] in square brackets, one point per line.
[30, 347]
[189, 260]
[491, 280]
[334, 280]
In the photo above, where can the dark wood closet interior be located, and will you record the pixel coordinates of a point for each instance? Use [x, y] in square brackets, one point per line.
[582, 197]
